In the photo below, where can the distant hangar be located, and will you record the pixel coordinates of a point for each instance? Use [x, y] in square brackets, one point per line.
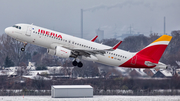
[71, 91]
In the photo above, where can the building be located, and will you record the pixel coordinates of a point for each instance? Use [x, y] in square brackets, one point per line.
[71, 91]
[149, 72]
[137, 73]
[100, 34]
[163, 74]
[31, 66]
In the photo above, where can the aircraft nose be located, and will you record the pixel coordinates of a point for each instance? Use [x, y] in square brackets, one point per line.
[7, 30]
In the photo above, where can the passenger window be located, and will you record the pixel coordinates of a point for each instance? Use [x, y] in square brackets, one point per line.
[19, 27]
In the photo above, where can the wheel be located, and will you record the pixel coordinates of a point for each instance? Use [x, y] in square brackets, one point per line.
[74, 63]
[80, 64]
[23, 49]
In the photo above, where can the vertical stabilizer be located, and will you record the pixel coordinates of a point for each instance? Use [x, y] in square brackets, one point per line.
[156, 49]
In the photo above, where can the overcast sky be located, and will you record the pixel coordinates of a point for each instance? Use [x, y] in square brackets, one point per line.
[112, 16]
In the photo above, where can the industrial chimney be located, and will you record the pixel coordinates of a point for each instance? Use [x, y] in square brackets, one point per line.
[81, 23]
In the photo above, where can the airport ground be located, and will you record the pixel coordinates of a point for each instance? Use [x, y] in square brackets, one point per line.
[95, 98]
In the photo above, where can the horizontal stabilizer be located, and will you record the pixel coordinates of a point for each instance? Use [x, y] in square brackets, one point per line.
[158, 65]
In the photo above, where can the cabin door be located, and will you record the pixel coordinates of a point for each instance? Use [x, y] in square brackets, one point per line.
[29, 31]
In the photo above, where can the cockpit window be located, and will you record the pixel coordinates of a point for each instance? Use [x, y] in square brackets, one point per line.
[18, 27]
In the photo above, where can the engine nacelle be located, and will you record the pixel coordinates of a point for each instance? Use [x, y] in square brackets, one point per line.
[51, 51]
[62, 52]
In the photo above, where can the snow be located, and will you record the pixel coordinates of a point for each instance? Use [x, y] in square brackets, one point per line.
[141, 72]
[95, 98]
[166, 73]
[34, 73]
[178, 62]
[123, 70]
[37, 77]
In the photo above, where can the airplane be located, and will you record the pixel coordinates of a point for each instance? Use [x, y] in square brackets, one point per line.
[66, 46]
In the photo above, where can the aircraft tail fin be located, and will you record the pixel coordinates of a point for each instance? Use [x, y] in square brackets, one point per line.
[156, 49]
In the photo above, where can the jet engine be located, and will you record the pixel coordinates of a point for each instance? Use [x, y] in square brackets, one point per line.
[51, 51]
[60, 51]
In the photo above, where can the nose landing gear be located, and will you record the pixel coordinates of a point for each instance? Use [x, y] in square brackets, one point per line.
[23, 48]
[79, 64]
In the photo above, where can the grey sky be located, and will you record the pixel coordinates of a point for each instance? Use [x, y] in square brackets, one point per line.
[112, 16]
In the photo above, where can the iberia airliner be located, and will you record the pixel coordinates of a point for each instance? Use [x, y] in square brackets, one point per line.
[65, 46]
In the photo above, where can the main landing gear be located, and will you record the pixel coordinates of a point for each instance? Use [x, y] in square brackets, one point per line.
[23, 48]
[79, 64]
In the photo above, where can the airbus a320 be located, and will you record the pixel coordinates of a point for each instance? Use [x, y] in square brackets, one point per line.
[65, 46]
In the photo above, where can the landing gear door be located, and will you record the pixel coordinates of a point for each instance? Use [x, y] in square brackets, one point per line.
[29, 31]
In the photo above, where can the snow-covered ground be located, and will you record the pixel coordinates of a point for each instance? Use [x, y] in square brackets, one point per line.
[95, 98]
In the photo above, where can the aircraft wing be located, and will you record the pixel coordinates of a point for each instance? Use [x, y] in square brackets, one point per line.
[88, 52]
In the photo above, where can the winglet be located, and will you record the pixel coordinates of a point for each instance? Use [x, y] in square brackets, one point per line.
[94, 38]
[117, 45]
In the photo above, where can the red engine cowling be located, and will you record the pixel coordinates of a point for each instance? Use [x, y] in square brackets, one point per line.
[62, 52]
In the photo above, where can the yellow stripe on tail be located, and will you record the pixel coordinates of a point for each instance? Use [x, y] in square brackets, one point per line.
[163, 38]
